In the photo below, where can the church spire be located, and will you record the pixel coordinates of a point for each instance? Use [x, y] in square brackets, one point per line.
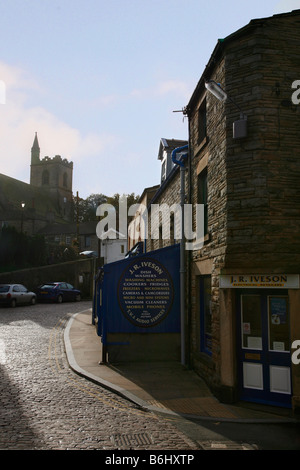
[35, 151]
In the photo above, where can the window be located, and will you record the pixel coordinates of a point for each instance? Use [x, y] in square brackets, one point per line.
[160, 241]
[45, 177]
[202, 196]
[122, 249]
[172, 229]
[65, 180]
[251, 322]
[4, 289]
[202, 122]
[279, 324]
[205, 315]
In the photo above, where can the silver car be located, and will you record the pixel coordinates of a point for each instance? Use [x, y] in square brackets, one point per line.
[16, 294]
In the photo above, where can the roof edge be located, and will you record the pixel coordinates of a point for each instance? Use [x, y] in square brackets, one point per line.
[220, 46]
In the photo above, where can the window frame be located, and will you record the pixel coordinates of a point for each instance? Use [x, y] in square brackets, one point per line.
[202, 195]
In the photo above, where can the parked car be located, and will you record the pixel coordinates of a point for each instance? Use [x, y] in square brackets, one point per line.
[58, 292]
[16, 294]
[89, 254]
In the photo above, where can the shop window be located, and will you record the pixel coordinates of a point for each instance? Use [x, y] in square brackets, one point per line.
[202, 197]
[205, 315]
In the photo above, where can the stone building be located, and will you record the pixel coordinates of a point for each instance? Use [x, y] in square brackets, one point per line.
[46, 200]
[164, 212]
[243, 168]
[156, 204]
[55, 175]
[138, 225]
[82, 237]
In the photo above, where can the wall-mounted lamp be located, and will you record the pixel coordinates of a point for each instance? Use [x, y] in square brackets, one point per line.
[240, 126]
[22, 215]
[216, 90]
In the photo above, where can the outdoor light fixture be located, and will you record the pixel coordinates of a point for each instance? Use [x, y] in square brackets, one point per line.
[216, 90]
[22, 215]
[240, 126]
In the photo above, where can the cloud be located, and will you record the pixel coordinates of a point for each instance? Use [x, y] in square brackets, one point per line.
[163, 88]
[101, 102]
[16, 79]
[173, 86]
[19, 121]
[104, 162]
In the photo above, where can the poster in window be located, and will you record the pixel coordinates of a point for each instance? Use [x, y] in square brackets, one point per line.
[278, 310]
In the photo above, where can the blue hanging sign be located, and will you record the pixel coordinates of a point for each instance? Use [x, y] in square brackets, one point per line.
[145, 292]
[140, 294]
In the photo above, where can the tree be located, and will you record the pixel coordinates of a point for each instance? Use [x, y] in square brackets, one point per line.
[87, 207]
[115, 201]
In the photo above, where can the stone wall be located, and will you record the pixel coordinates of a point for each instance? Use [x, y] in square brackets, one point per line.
[79, 273]
[253, 183]
[263, 198]
[209, 153]
[168, 195]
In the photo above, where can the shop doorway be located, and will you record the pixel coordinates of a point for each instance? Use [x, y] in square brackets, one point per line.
[263, 346]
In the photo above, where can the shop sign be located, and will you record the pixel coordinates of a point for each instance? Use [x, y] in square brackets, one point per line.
[145, 292]
[274, 281]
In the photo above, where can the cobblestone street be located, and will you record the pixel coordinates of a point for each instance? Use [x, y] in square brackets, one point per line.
[46, 406]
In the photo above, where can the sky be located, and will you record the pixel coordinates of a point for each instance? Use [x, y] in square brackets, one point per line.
[98, 80]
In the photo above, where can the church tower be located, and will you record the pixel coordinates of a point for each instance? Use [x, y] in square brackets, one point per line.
[35, 151]
[55, 176]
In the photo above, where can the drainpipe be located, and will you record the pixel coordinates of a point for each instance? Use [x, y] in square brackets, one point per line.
[189, 255]
[180, 162]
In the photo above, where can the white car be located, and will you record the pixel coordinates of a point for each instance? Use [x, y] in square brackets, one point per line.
[89, 254]
[16, 294]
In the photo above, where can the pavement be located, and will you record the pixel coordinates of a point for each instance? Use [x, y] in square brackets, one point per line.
[163, 387]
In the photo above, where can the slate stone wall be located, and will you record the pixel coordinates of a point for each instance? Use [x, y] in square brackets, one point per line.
[253, 183]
